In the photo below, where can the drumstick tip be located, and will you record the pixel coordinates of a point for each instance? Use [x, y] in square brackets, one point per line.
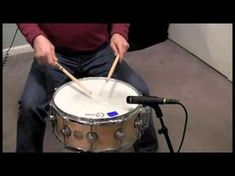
[89, 93]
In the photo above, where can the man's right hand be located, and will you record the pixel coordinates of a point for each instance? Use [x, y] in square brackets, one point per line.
[44, 51]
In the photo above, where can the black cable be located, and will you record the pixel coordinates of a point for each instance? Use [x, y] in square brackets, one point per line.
[7, 52]
[185, 125]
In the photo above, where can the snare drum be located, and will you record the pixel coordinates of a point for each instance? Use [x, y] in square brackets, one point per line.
[102, 123]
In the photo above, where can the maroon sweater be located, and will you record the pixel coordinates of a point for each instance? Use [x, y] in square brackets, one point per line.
[73, 37]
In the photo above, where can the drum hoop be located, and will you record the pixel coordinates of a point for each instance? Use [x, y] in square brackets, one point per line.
[84, 120]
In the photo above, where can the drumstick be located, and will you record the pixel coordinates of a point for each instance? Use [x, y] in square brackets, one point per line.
[85, 90]
[113, 68]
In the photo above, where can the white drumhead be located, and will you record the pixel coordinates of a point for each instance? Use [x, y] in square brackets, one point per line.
[108, 98]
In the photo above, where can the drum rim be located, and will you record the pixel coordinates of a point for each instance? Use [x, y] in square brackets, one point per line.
[85, 120]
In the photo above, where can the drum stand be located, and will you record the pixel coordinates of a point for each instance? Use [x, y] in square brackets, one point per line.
[163, 127]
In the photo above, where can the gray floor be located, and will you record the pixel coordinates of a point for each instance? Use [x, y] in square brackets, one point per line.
[171, 72]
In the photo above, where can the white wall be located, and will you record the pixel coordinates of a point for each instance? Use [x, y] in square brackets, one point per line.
[9, 30]
[20, 45]
[212, 43]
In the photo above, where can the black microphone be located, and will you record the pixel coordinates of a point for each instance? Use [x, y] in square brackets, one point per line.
[149, 100]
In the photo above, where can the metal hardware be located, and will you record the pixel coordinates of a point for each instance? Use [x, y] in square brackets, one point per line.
[92, 137]
[119, 134]
[66, 131]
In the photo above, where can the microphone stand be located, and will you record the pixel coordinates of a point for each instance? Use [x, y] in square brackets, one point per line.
[163, 129]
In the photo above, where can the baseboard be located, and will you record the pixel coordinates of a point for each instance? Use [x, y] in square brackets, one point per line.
[18, 50]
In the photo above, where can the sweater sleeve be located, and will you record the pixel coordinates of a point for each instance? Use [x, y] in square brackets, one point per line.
[30, 31]
[121, 28]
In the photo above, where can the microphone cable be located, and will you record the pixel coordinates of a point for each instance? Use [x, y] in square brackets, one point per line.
[185, 126]
[7, 52]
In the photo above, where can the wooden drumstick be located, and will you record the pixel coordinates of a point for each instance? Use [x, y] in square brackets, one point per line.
[85, 90]
[113, 68]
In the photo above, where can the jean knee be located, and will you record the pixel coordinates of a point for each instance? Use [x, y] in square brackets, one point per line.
[28, 109]
[26, 106]
[30, 114]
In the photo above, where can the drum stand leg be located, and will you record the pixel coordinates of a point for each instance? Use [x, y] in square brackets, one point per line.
[163, 127]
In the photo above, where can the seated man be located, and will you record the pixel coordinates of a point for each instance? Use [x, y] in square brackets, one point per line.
[84, 50]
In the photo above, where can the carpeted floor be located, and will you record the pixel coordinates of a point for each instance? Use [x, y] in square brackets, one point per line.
[169, 71]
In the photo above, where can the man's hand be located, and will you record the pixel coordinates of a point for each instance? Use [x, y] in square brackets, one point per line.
[119, 45]
[44, 51]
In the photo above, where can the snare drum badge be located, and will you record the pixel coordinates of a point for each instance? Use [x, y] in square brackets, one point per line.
[98, 114]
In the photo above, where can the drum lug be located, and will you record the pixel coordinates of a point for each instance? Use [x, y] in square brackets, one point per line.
[147, 116]
[92, 137]
[139, 123]
[66, 131]
[142, 120]
[119, 134]
[52, 118]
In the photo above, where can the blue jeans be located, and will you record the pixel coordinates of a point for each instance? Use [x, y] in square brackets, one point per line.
[41, 84]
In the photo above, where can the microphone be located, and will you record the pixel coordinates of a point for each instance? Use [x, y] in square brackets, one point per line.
[149, 100]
